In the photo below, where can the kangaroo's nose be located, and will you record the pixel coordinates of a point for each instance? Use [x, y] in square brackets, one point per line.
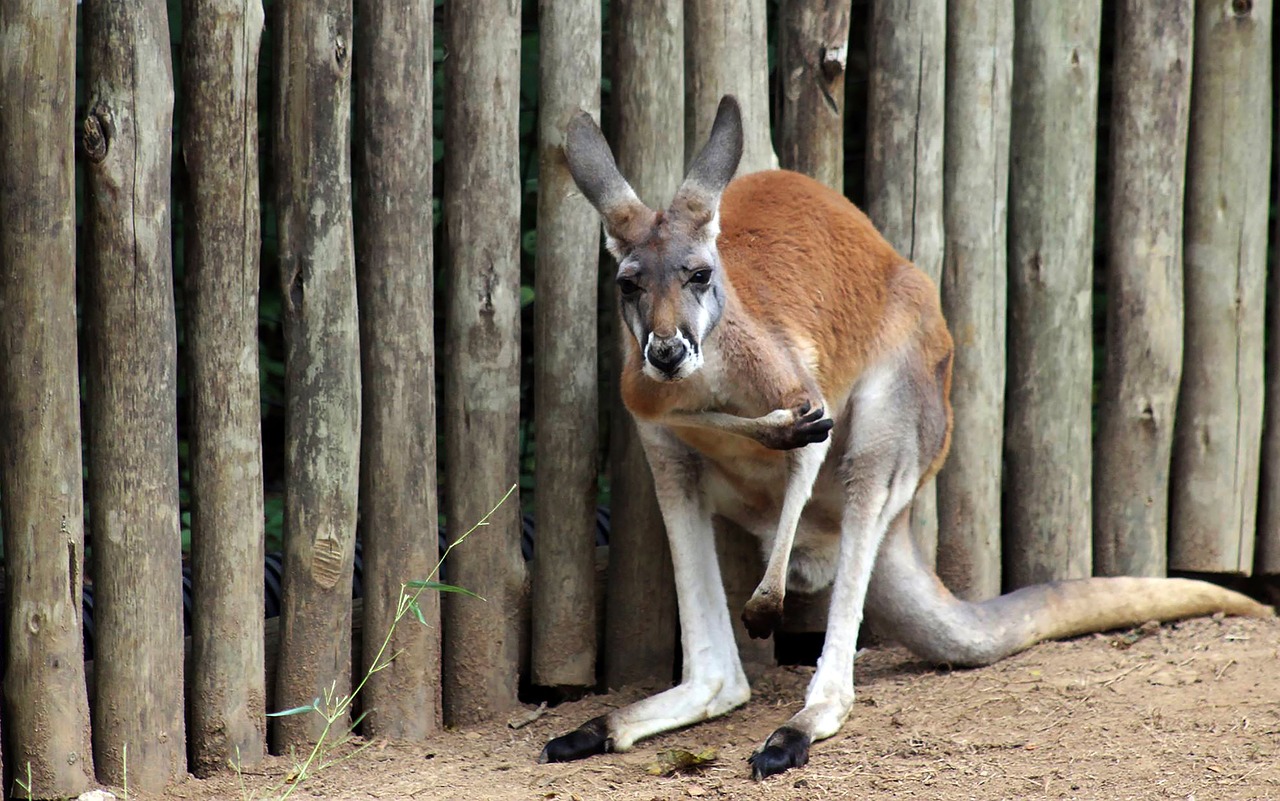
[666, 354]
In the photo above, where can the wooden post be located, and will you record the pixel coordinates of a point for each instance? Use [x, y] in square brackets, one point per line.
[563, 633]
[46, 711]
[726, 52]
[974, 290]
[1050, 379]
[1149, 114]
[904, 158]
[322, 360]
[220, 149]
[392, 178]
[1217, 438]
[132, 372]
[482, 353]
[1266, 558]
[640, 600]
[813, 49]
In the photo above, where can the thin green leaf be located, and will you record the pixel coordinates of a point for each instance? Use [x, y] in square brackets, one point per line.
[314, 706]
[439, 587]
[417, 611]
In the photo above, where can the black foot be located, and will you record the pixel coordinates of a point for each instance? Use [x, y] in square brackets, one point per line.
[589, 739]
[786, 748]
[761, 616]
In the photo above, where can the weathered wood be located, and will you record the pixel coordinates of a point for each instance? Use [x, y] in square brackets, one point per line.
[132, 386]
[813, 49]
[648, 87]
[322, 359]
[905, 108]
[974, 289]
[392, 177]
[1149, 114]
[1266, 558]
[482, 353]
[220, 150]
[1217, 437]
[726, 53]
[1047, 419]
[565, 423]
[46, 711]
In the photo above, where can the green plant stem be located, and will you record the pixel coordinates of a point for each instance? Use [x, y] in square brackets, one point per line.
[331, 713]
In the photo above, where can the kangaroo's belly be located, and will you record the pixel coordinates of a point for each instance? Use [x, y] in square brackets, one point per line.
[750, 494]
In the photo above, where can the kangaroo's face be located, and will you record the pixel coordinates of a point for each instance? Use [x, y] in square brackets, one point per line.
[671, 293]
[671, 286]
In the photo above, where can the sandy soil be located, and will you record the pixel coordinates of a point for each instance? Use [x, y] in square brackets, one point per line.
[1189, 711]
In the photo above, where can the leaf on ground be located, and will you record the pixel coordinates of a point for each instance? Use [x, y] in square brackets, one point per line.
[678, 760]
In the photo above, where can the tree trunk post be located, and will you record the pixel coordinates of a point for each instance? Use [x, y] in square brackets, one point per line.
[1050, 381]
[393, 162]
[905, 110]
[132, 389]
[482, 354]
[46, 710]
[813, 50]
[1217, 438]
[322, 361]
[220, 150]
[640, 600]
[726, 52]
[565, 422]
[974, 289]
[1150, 109]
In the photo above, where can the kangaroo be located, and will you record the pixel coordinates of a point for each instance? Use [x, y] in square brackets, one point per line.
[790, 372]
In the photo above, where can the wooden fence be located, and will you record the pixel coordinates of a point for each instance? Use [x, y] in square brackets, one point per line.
[981, 130]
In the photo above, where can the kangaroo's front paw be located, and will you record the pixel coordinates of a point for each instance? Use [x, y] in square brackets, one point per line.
[589, 739]
[809, 424]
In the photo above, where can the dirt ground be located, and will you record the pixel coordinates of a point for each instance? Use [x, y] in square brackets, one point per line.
[1188, 711]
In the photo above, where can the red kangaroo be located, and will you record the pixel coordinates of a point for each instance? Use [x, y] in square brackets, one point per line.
[789, 371]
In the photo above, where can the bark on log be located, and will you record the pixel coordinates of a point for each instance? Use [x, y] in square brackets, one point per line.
[393, 161]
[132, 372]
[904, 158]
[46, 710]
[1149, 115]
[482, 353]
[974, 290]
[1047, 413]
[813, 49]
[648, 85]
[322, 359]
[726, 52]
[565, 423]
[1217, 437]
[220, 150]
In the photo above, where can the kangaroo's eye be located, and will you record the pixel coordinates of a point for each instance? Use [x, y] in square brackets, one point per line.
[700, 277]
[628, 287]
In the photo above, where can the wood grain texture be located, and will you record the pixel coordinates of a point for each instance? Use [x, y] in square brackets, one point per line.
[394, 280]
[1150, 109]
[322, 359]
[975, 290]
[482, 353]
[46, 711]
[813, 51]
[1217, 436]
[132, 391]
[1047, 450]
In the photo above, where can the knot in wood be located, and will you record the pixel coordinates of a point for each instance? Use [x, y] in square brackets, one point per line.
[98, 131]
[1241, 8]
[833, 62]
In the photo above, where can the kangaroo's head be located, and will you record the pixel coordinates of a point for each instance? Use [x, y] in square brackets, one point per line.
[670, 281]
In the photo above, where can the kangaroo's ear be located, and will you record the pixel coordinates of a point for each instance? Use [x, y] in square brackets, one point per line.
[698, 200]
[626, 219]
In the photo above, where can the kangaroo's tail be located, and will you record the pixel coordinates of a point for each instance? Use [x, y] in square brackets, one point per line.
[907, 603]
